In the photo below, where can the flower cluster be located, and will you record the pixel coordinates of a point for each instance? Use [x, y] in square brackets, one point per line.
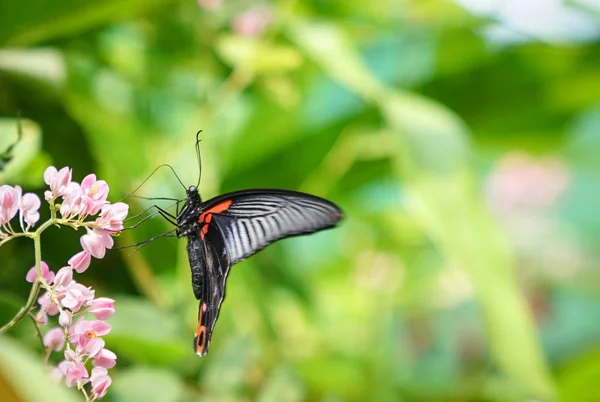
[12, 201]
[80, 201]
[78, 336]
[81, 315]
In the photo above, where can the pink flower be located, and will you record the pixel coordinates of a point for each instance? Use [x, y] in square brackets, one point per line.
[102, 307]
[100, 381]
[9, 202]
[105, 358]
[55, 339]
[48, 275]
[57, 180]
[112, 216]
[210, 5]
[94, 193]
[64, 277]
[84, 330]
[80, 261]
[522, 182]
[56, 374]
[46, 305]
[73, 370]
[93, 347]
[76, 295]
[96, 242]
[29, 205]
[71, 205]
[41, 317]
[65, 318]
[252, 22]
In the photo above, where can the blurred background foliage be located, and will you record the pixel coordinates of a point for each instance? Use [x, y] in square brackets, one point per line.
[460, 138]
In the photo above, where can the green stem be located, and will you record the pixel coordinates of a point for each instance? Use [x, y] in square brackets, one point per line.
[37, 330]
[35, 289]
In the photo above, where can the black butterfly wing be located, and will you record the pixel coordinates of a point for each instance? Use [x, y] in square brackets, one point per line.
[236, 225]
[250, 220]
[208, 260]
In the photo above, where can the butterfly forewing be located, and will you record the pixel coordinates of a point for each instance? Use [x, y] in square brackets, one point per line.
[250, 220]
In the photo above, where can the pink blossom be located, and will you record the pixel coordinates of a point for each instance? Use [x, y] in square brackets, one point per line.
[102, 307]
[522, 182]
[64, 277]
[46, 305]
[56, 374]
[92, 347]
[84, 330]
[9, 202]
[55, 339]
[73, 370]
[41, 317]
[65, 318]
[252, 22]
[71, 205]
[112, 216]
[29, 205]
[105, 358]
[210, 5]
[96, 242]
[94, 193]
[48, 275]
[100, 381]
[76, 295]
[57, 180]
[80, 261]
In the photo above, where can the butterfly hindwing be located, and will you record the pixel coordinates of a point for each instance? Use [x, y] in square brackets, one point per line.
[208, 260]
[249, 220]
[229, 228]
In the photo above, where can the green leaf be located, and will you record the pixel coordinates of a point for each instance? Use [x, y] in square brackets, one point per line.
[23, 163]
[145, 333]
[433, 163]
[256, 56]
[147, 384]
[20, 369]
[42, 20]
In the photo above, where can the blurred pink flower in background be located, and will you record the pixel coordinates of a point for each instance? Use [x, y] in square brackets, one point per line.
[524, 192]
[252, 22]
[210, 5]
[520, 181]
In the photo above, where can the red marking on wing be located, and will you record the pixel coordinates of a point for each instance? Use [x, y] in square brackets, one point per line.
[204, 231]
[200, 334]
[206, 216]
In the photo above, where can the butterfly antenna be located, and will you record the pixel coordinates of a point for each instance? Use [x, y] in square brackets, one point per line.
[139, 245]
[198, 157]
[152, 174]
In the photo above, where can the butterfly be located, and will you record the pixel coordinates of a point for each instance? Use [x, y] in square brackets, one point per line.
[227, 229]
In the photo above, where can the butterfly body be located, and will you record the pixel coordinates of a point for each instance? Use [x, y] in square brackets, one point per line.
[229, 228]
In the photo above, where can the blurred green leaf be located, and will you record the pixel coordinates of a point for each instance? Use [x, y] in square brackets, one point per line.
[25, 165]
[148, 385]
[19, 369]
[43, 21]
[147, 334]
[442, 195]
[282, 386]
[256, 56]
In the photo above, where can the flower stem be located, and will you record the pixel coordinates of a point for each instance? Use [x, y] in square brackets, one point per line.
[37, 330]
[35, 289]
